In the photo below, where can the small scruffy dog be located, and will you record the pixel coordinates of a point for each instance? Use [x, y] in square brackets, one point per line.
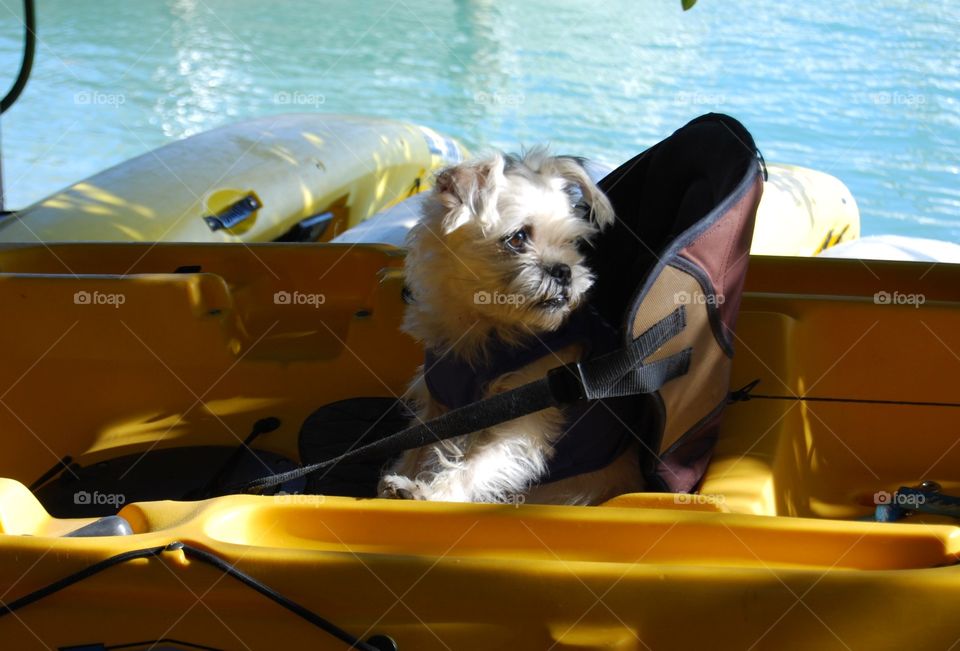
[496, 272]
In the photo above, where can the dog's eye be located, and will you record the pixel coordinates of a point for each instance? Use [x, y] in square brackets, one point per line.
[580, 209]
[518, 241]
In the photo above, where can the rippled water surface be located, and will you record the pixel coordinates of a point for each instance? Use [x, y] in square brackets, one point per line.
[867, 91]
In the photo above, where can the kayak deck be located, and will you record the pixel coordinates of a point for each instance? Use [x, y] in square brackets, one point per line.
[196, 357]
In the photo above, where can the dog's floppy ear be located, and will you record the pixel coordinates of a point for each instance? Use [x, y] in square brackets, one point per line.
[469, 192]
[571, 169]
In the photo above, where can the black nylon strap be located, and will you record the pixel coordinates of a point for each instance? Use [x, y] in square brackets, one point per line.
[527, 399]
[615, 374]
[623, 373]
[612, 380]
[662, 331]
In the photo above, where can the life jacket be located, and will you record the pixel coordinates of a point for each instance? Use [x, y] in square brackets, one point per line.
[685, 210]
[592, 436]
[670, 271]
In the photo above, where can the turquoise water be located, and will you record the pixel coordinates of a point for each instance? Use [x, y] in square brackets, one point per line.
[867, 91]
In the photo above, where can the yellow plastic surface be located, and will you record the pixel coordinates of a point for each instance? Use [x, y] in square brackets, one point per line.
[769, 556]
[299, 165]
[803, 212]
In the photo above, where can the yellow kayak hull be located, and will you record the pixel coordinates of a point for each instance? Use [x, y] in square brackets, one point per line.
[769, 555]
[336, 168]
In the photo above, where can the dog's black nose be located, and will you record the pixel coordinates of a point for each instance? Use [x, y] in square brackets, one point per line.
[561, 272]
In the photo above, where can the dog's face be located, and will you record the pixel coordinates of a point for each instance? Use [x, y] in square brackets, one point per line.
[512, 232]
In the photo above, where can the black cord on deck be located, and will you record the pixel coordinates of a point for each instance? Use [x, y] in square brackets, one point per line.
[204, 557]
[212, 487]
[87, 572]
[59, 468]
[744, 394]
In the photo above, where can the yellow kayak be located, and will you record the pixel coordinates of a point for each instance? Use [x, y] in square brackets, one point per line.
[311, 177]
[298, 177]
[803, 212]
[141, 352]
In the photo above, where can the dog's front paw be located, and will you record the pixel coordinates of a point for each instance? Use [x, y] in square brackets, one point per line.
[398, 487]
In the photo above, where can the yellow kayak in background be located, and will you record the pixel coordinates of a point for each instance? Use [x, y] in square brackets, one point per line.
[803, 212]
[308, 177]
[297, 177]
